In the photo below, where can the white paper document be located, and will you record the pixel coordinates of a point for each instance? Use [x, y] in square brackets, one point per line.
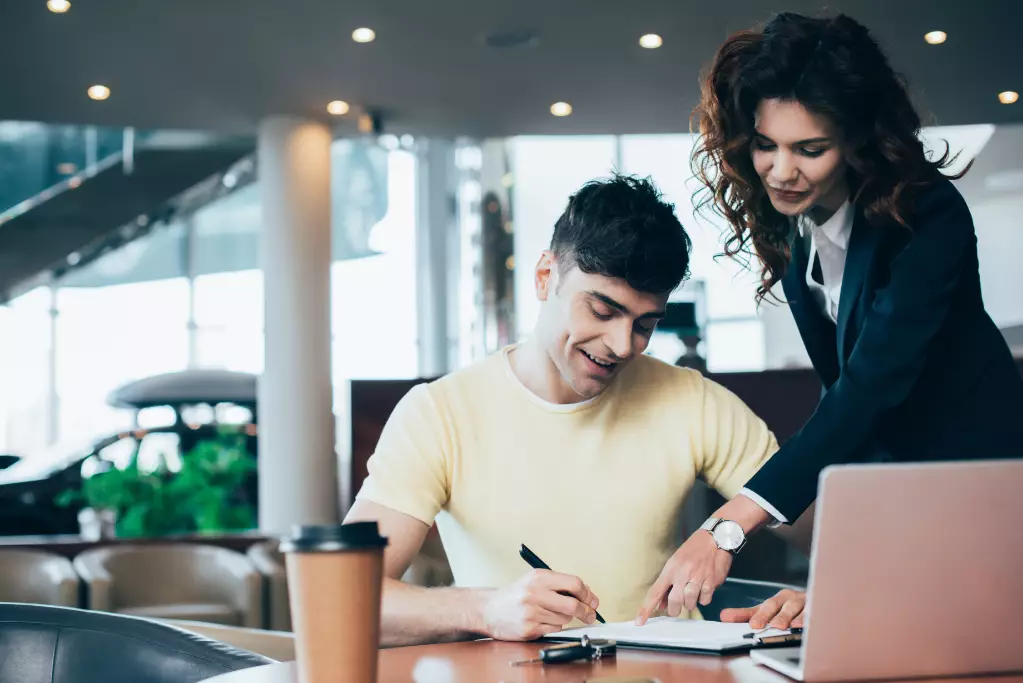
[684, 634]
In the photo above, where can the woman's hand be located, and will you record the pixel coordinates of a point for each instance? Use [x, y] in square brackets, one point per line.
[695, 571]
[689, 577]
[785, 610]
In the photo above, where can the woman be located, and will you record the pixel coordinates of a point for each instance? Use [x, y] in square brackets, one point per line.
[809, 150]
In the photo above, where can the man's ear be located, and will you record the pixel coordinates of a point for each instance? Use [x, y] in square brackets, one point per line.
[544, 276]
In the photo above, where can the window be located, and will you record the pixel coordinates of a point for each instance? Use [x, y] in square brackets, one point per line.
[25, 366]
[107, 336]
[723, 289]
[373, 299]
[229, 321]
[191, 294]
[547, 171]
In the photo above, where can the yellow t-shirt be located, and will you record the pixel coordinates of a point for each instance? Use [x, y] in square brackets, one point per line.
[594, 488]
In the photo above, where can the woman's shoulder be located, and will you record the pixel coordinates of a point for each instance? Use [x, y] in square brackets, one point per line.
[937, 207]
[938, 202]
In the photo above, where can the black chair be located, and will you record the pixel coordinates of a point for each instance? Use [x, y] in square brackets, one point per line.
[44, 644]
[740, 593]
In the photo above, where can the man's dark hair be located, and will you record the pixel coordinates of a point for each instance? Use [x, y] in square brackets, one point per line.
[621, 228]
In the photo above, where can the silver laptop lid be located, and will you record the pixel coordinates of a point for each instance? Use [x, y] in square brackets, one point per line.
[916, 570]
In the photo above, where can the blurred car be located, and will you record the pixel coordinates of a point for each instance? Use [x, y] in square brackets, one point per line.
[173, 413]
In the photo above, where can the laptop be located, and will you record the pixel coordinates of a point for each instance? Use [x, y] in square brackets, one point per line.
[916, 571]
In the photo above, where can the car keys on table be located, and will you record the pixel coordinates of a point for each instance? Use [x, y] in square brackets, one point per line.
[585, 650]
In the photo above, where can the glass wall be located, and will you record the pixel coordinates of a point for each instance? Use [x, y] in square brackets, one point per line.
[26, 372]
[190, 294]
[722, 288]
[36, 156]
[106, 336]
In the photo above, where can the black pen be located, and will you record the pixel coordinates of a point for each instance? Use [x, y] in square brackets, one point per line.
[536, 563]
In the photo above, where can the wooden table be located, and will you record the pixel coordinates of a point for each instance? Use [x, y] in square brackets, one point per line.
[488, 662]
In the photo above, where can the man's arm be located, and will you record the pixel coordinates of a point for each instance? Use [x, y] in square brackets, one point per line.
[731, 443]
[408, 485]
[541, 602]
[412, 615]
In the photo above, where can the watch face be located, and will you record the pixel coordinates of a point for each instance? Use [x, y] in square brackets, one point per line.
[729, 535]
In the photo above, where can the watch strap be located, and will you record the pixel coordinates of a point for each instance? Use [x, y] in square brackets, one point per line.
[710, 524]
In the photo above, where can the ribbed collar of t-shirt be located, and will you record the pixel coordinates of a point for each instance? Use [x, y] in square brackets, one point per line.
[536, 400]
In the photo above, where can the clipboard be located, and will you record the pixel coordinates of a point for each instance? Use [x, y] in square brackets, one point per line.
[665, 634]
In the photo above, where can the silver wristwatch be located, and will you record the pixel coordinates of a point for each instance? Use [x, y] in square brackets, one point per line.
[727, 534]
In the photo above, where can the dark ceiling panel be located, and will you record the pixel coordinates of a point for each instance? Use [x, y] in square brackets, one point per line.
[226, 65]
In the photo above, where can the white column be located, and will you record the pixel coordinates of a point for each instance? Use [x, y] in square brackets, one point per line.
[298, 481]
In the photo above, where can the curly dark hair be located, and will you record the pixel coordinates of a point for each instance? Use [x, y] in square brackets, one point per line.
[622, 228]
[834, 68]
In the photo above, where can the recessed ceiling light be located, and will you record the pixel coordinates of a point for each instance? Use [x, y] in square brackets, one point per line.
[936, 37]
[338, 108]
[58, 6]
[364, 35]
[67, 168]
[651, 41]
[1008, 97]
[561, 108]
[99, 92]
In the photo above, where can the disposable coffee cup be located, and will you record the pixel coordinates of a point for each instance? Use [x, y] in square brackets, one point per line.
[335, 574]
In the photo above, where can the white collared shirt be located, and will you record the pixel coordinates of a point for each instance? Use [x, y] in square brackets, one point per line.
[830, 242]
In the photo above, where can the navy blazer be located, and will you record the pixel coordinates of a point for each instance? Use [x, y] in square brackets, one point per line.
[914, 370]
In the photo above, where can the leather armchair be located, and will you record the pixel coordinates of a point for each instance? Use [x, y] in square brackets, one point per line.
[107, 647]
[174, 581]
[269, 560]
[37, 577]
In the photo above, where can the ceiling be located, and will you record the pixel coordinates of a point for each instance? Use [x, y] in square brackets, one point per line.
[224, 65]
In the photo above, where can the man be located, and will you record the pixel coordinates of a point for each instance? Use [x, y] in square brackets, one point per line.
[572, 443]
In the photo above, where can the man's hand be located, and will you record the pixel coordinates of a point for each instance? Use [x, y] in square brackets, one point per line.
[539, 603]
[784, 610]
[689, 577]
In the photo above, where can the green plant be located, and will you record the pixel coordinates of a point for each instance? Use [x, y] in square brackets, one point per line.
[204, 496]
